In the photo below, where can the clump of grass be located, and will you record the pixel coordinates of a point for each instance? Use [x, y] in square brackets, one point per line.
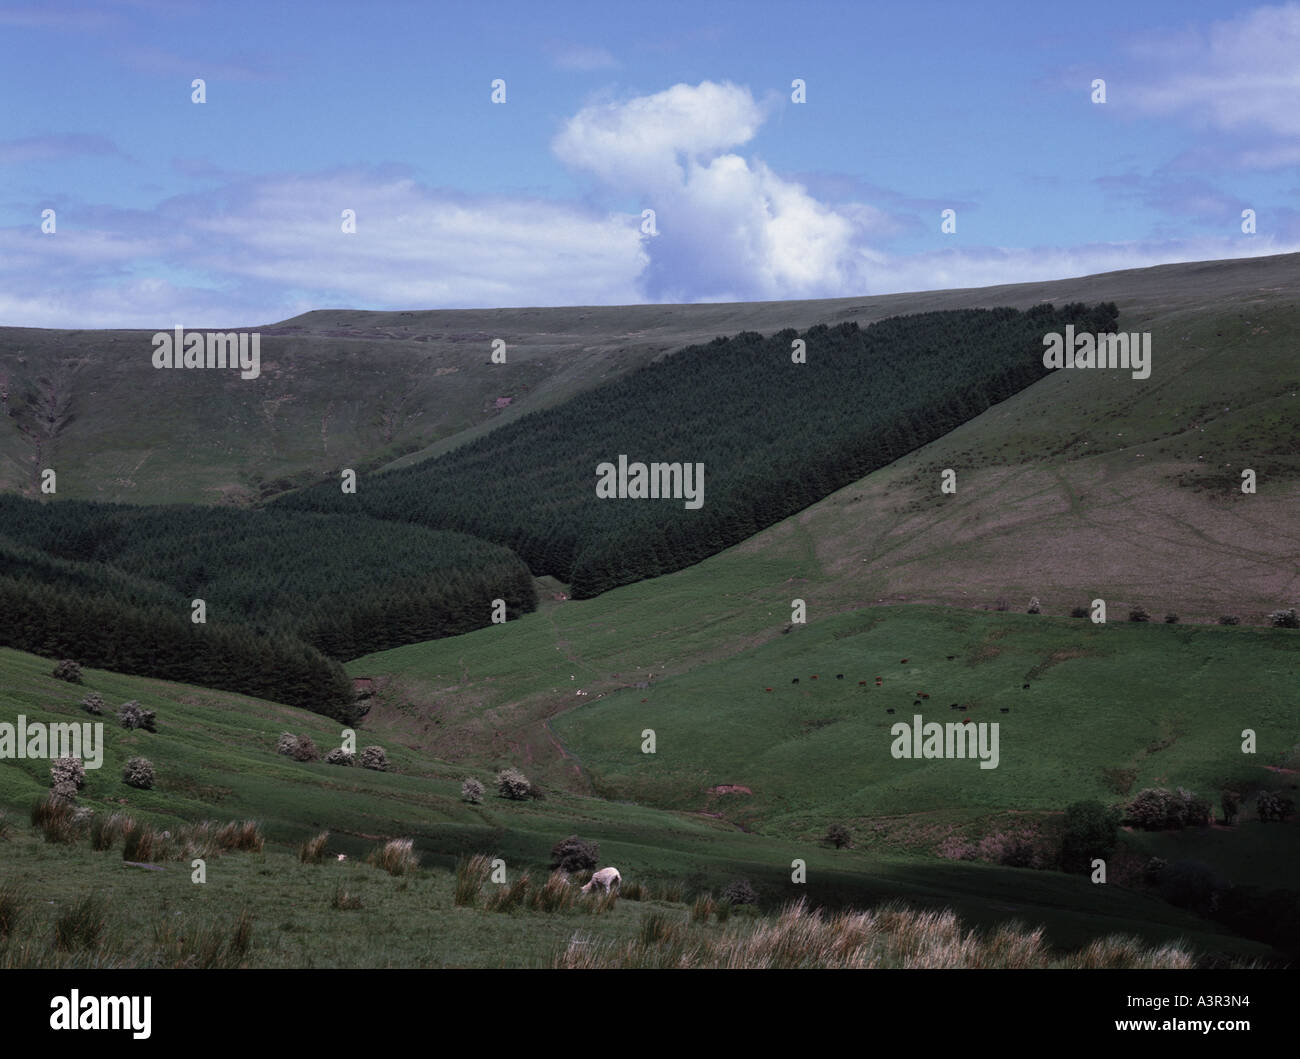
[633, 891]
[313, 850]
[723, 911]
[57, 819]
[703, 908]
[237, 835]
[6, 828]
[471, 874]
[600, 903]
[12, 901]
[555, 895]
[344, 900]
[397, 856]
[138, 841]
[892, 936]
[106, 830]
[508, 897]
[204, 945]
[81, 924]
[672, 892]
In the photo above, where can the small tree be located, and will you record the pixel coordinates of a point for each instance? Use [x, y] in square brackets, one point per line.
[1034, 607]
[1079, 612]
[374, 757]
[94, 703]
[574, 854]
[1091, 832]
[286, 744]
[838, 836]
[1230, 619]
[513, 784]
[1285, 619]
[1171, 619]
[139, 773]
[1230, 803]
[472, 791]
[67, 670]
[339, 756]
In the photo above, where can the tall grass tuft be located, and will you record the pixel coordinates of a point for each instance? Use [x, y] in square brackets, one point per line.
[12, 901]
[106, 830]
[471, 875]
[193, 944]
[56, 819]
[138, 841]
[633, 891]
[703, 908]
[344, 900]
[891, 936]
[555, 895]
[81, 924]
[397, 856]
[508, 897]
[313, 850]
[236, 835]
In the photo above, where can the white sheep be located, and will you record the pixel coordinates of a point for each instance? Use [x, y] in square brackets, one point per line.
[607, 878]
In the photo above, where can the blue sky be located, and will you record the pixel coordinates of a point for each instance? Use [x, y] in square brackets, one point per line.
[229, 212]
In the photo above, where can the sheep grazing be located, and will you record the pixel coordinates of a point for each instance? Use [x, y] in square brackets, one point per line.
[605, 878]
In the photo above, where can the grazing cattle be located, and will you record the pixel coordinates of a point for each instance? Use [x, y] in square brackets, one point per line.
[1005, 709]
[923, 695]
[1025, 688]
[954, 706]
[889, 711]
[951, 657]
[917, 702]
[605, 878]
[795, 681]
[767, 689]
[862, 683]
[814, 676]
[839, 676]
[903, 662]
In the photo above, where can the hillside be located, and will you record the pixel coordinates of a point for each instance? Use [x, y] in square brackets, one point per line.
[215, 759]
[344, 388]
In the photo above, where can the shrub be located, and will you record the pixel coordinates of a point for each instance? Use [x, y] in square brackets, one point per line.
[286, 744]
[1034, 607]
[55, 818]
[81, 925]
[397, 856]
[1171, 619]
[94, 703]
[305, 749]
[132, 715]
[1014, 850]
[67, 777]
[374, 757]
[1229, 619]
[740, 892]
[513, 784]
[1230, 803]
[339, 756]
[838, 836]
[1091, 831]
[574, 854]
[1157, 809]
[1270, 806]
[1153, 870]
[1079, 612]
[472, 791]
[345, 901]
[313, 850]
[471, 874]
[67, 670]
[1189, 884]
[1285, 619]
[139, 773]
[1139, 614]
